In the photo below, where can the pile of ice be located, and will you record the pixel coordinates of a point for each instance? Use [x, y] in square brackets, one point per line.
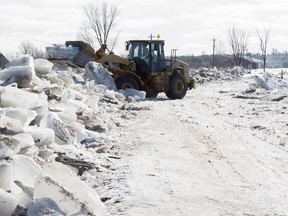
[266, 86]
[269, 81]
[49, 121]
[204, 74]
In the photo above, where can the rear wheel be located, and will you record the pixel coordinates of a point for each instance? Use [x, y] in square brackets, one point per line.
[123, 82]
[178, 87]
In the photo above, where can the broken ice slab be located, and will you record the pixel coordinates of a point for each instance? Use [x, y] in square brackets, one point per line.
[20, 75]
[72, 195]
[44, 206]
[25, 116]
[25, 139]
[9, 125]
[92, 102]
[4, 151]
[25, 170]
[41, 136]
[71, 94]
[43, 66]
[137, 95]
[6, 174]
[8, 146]
[24, 60]
[18, 98]
[52, 121]
[8, 203]
[45, 153]
[23, 198]
[95, 71]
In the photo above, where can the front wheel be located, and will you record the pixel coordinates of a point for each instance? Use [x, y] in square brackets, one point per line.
[123, 82]
[178, 87]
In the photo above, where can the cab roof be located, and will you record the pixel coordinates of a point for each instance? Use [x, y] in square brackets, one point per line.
[146, 41]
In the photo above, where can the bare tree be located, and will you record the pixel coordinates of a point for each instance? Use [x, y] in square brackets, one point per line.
[238, 40]
[85, 35]
[26, 47]
[100, 25]
[263, 37]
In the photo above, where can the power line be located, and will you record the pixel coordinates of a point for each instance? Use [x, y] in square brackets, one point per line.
[16, 34]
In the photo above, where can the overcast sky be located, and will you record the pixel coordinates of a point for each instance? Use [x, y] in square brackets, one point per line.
[186, 25]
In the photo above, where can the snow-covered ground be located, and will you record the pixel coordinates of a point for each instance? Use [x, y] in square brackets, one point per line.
[215, 152]
[222, 150]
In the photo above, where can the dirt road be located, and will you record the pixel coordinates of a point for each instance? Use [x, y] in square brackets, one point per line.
[203, 156]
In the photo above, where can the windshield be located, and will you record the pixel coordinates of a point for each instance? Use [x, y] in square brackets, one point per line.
[139, 50]
[152, 52]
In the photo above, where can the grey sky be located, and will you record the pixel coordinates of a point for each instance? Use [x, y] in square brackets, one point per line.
[186, 25]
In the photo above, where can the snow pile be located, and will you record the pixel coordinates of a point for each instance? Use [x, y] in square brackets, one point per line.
[56, 129]
[205, 74]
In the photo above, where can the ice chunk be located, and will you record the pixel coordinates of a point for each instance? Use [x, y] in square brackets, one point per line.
[131, 99]
[25, 139]
[44, 206]
[41, 136]
[20, 70]
[68, 116]
[8, 203]
[10, 125]
[71, 94]
[100, 88]
[45, 153]
[95, 71]
[6, 174]
[21, 75]
[43, 66]
[25, 116]
[23, 198]
[25, 170]
[92, 102]
[24, 60]
[68, 95]
[51, 120]
[71, 194]
[30, 151]
[14, 97]
[69, 106]
[138, 95]
[8, 145]
[4, 151]
[109, 95]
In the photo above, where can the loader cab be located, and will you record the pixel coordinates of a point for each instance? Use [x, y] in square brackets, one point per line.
[147, 54]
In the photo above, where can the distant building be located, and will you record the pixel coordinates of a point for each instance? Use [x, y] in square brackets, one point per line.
[250, 63]
[3, 60]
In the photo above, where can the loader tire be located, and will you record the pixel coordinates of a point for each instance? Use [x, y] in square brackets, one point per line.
[178, 87]
[123, 82]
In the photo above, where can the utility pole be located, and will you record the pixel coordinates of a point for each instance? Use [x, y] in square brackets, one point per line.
[213, 58]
